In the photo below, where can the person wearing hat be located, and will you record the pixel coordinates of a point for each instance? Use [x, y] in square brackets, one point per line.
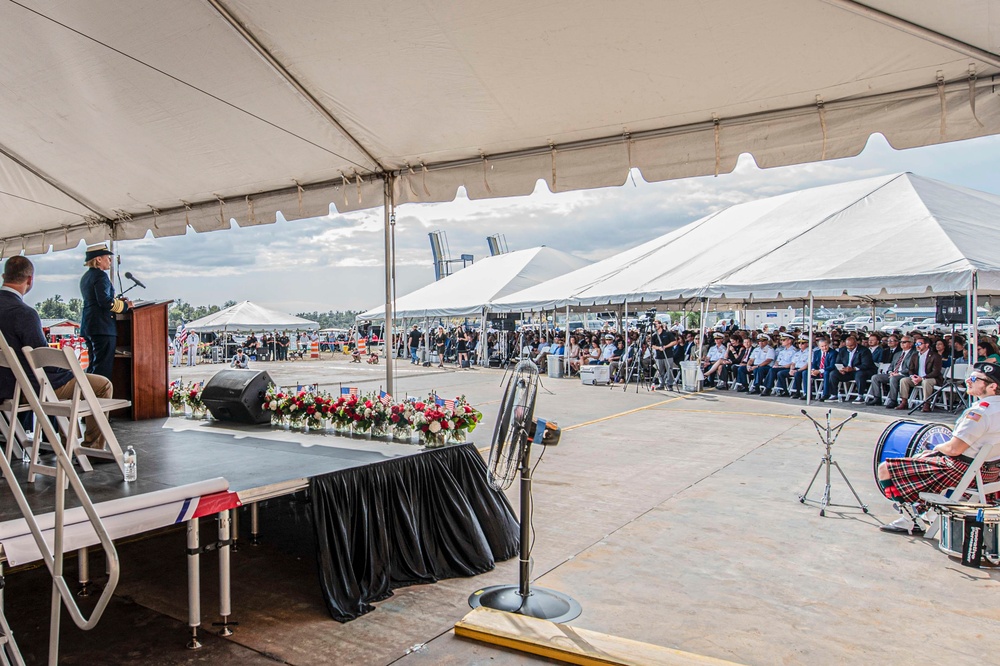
[712, 365]
[761, 357]
[903, 479]
[797, 374]
[100, 306]
[413, 338]
[784, 363]
[21, 327]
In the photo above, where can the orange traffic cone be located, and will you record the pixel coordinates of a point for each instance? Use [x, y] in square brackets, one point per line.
[314, 349]
[84, 358]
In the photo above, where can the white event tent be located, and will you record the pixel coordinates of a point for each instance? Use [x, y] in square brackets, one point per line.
[122, 119]
[884, 239]
[247, 316]
[467, 292]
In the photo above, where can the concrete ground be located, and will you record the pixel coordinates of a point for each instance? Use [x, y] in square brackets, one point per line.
[672, 518]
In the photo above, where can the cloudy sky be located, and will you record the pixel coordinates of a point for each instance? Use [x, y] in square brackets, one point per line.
[335, 262]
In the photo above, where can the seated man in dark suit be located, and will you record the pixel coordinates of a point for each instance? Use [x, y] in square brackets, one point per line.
[824, 365]
[22, 327]
[857, 364]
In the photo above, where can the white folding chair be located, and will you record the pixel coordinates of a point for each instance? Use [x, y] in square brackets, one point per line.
[10, 426]
[970, 489]
[82, 404]
[953, 387]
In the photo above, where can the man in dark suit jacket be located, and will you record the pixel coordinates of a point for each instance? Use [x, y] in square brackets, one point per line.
[857, 365]
[21, 327]
[824, 362]
[925, 370]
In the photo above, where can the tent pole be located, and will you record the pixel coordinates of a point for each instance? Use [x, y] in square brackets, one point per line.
[809, 359]
[389, 220]
[701, 332]
[974, 317]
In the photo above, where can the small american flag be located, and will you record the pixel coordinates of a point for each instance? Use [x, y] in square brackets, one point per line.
[349, 390]
[384, 398]
[447, 404]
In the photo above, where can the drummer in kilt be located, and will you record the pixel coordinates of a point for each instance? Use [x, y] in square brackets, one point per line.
[903, 479]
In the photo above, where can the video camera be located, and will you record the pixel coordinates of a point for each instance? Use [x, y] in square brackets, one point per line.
[646, 319]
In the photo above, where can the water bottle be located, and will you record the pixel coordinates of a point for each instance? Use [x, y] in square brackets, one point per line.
[131, 471]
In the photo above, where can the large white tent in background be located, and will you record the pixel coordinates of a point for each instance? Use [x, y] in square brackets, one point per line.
[884, 239]
[467, 292]
[126, 118]
[247, 316]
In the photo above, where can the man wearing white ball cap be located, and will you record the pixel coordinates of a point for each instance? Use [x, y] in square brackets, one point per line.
[903, 479]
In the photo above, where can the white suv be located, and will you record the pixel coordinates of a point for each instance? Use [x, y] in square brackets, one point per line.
[863, 324]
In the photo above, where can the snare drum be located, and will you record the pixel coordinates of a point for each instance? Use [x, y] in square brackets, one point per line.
[952, 537]
[905, 439]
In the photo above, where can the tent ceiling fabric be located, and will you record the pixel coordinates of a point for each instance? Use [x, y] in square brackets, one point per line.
[921, 237]
[125, 118]
[467, 292]
[247, 316]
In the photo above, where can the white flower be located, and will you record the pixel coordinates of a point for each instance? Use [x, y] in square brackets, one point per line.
[273, 405]
[434, 427]
[292, 407]
[451, 425]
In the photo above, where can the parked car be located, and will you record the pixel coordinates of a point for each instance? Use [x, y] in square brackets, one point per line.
[985, 326]
[899, 325]
[863, 324]
[833, 323]
[988, 326]
[798, 323]
[928, 325]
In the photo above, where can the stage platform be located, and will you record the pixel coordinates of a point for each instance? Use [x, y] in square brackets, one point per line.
[383, 515]
[257, 461]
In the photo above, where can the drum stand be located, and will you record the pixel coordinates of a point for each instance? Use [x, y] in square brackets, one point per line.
[828, 435]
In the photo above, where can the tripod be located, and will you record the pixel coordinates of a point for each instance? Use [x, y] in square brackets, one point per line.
[828, 435]
[634, 366]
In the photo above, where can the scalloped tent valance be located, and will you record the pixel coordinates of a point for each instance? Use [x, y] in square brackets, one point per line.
[123, 119]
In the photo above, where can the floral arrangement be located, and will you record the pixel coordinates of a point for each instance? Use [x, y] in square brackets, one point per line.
[177, 395]
[194, 397]
[435, 420]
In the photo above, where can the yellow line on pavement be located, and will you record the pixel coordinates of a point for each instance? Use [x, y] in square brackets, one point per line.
[711, 411]
[631, 411]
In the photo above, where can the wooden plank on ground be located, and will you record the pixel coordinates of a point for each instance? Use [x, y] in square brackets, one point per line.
[570, 644]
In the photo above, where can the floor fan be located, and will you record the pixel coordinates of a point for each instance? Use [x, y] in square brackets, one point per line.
[510, 453]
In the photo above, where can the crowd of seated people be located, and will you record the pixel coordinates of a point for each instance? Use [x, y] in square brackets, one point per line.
[877, 368]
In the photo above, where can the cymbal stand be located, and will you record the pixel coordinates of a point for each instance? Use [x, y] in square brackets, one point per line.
[828, 435]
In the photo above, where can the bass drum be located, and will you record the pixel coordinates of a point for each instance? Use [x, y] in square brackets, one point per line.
[905, 439]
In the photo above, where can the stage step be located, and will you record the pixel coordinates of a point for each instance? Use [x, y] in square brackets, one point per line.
[570, 644]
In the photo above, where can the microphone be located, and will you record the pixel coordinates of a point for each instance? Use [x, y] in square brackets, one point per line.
[134, 279]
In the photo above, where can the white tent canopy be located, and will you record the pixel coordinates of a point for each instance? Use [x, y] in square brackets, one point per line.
[126, 118]
[468, 291]
[886, 238]
[247, 316]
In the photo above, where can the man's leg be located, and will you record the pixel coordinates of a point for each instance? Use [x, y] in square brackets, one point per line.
[929, 386]
[779, 384]
[905, 386]
[878, 387]
[92, 437]
[829, 383]
[741, 378]
[670, 372]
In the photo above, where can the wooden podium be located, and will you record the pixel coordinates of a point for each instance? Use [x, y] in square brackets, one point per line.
[140, 372]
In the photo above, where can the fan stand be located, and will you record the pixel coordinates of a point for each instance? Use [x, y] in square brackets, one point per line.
[522, 598]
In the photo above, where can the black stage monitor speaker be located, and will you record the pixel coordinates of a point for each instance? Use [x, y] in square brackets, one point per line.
[951, 310]
[237, 395]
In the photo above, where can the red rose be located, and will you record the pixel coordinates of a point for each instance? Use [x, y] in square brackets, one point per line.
[419, 406]
[311, 410]
[395, 418]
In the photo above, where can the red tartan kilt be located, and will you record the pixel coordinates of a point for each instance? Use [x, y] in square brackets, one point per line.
[934, 474]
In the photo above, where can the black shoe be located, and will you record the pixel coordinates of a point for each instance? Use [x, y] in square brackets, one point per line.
[766, 392]
[793, 395]
[753, 391]
[870, 401]
[740, 388]
[891, 405]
